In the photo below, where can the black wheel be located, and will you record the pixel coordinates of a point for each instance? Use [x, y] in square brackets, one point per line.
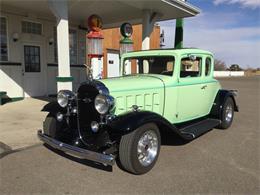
[227, 114]
[50, 126]
[139, 150]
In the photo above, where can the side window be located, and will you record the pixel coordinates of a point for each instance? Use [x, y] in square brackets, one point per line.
[73, 43]
[208, 66]
[3, 39]
[190, 68]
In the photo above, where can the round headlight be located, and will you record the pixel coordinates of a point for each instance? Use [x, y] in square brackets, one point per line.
[63, 97]
[103, 103]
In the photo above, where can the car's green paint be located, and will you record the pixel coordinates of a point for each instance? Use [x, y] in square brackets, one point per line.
[177, 99]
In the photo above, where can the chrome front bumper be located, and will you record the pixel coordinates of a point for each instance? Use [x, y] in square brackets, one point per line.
[79, 152]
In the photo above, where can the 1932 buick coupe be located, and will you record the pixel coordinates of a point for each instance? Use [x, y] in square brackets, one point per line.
[123, 118]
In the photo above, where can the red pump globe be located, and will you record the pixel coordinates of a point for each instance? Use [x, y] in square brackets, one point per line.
[95, 37]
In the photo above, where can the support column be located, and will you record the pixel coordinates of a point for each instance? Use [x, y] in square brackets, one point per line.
[147, 30]
[179, 34]
[149, 19]
[178, 44]
[60, 10]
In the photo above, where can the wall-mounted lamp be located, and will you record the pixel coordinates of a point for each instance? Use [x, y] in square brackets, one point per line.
[51, 41]
[15, 37]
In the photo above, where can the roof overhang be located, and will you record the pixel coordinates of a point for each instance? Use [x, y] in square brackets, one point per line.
[113, 13]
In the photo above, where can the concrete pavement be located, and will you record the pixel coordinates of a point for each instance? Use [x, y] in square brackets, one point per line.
[19, 121]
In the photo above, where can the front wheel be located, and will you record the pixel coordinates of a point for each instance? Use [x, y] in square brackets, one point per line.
[139, 150]
[52, 127]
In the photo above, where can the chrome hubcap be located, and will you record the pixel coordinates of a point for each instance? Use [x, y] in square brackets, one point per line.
[229, 113]
[147, 148]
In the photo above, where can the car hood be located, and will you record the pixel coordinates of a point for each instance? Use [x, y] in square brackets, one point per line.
[134, 82]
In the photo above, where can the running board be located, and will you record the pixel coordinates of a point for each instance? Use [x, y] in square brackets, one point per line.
[194, 130]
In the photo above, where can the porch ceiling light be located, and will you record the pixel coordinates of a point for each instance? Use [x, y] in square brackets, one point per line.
[15, 37]
[51, 41]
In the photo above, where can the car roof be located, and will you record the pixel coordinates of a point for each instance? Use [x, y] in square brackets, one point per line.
[168, 51]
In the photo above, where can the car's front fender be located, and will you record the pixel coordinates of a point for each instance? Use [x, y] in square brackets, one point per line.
[53, 107]
[128, 122]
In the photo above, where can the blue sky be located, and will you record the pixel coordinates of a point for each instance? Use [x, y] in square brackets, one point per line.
[228, 28]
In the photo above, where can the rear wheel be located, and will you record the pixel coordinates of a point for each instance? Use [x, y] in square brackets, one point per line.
[227, 114]
[139, 150]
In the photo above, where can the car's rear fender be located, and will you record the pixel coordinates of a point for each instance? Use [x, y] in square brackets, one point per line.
[221, 97]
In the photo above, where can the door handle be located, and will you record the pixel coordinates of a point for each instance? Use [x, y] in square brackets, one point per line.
[204, 87]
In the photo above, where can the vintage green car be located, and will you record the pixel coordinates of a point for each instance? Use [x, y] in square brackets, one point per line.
[123, 118]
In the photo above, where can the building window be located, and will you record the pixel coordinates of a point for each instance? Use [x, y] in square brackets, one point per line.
[82, 49]
[55, 44]
[3, 39]
[73, 46]
[31, 27]
[32, 58]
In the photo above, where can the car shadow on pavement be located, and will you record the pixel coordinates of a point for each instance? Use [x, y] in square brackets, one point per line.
[86, 162]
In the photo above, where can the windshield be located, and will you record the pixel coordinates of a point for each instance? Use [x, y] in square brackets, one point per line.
[163, 65]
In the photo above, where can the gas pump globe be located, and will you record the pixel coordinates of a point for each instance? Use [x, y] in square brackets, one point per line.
[95, 37]
[95, 47]
[126, 44]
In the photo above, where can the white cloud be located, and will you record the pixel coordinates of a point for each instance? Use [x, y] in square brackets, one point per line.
[239, 45]
[245, 3]
[234, 46]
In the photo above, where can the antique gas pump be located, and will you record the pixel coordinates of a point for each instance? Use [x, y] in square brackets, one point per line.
[126, 44]
[95, 47]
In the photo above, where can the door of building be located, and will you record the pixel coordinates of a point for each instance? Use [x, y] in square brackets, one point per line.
[32, 71]
[113, 64]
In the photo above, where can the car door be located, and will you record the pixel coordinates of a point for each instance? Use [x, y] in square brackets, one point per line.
[211, 86]
[190, 99]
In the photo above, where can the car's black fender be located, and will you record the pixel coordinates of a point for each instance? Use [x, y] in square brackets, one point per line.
[221, 97]
[129, 121]
[53, 107]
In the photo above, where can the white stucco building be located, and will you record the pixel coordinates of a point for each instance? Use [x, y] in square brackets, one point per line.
[43, 44]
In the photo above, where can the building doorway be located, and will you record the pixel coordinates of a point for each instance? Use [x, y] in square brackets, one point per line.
[32, 71]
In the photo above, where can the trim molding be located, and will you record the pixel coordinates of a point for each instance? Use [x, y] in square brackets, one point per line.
[2, 93]
[64, 79]
[7, 99]
[10, 64]
[71, 65]
[115, 51]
